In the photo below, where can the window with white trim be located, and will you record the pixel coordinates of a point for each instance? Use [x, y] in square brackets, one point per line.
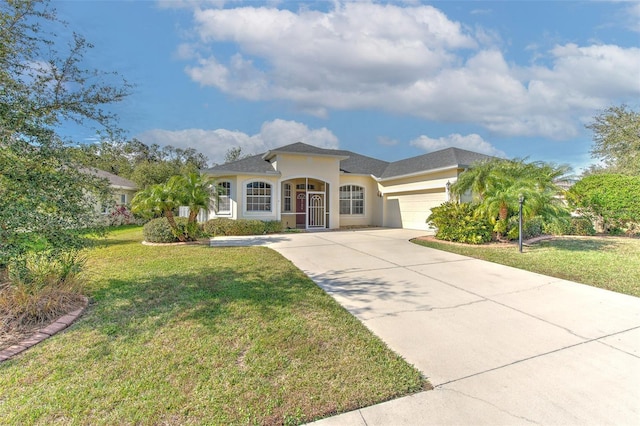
[287, 197]
[258, 197]
[223, 201]
[351, 199]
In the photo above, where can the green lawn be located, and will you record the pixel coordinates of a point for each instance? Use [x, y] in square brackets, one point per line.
[200, 335]
[606, 262]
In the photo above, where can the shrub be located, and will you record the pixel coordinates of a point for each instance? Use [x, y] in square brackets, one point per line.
[39, 287]
[227, 227]
[581, 226]
[610, 199]
[118, 216]
[158, 231]
[560, 226]
[459, 222]
[531, 228]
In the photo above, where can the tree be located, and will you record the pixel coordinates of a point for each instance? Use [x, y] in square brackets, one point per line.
[609, 200]
[156, 200]
[616, 137]
[497, 185]
[143, 164]
[193, 190]
[44, 197]
[234, 154]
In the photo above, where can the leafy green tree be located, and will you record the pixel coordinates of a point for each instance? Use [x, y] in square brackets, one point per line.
[498, 184]
[44, 197]
[144, 164]
[611, 200]
[616, 137]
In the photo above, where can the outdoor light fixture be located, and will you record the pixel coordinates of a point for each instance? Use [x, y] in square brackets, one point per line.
[520, 200]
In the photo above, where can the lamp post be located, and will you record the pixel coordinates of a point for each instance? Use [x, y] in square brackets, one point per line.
[520, 200]
[448, 190]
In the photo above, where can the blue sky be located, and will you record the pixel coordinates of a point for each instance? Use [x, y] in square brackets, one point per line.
[386, 79]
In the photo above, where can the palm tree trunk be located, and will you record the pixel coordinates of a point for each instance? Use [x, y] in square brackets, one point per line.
[172, 222]
[504, 212]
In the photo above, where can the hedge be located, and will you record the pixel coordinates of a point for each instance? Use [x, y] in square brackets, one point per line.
[228, 227]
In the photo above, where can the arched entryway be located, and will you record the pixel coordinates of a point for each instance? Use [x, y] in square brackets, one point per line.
[305, 203]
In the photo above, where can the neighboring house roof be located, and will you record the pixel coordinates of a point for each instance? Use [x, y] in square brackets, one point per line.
[354, 163]
[114, 180]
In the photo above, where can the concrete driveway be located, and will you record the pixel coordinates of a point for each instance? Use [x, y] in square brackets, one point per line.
[500, 345]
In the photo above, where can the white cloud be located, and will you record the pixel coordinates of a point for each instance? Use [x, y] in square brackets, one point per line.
[215, 143]
[386, 141]
[471, 142]
[410, 60]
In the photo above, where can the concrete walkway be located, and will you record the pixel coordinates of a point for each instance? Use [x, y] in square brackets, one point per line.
[500, 345]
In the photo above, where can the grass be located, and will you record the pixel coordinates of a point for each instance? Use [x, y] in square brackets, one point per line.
[612, 263]
[199, 335]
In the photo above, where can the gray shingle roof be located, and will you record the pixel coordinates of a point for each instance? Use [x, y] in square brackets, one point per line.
[114, 180]
[355, 163]
[449, 157]
[254, 164]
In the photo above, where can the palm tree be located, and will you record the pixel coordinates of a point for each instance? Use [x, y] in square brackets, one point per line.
[498, 184]
[195, 191]
[159, 199]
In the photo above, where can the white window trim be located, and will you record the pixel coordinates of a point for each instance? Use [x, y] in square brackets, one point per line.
[224, 212]
[364, 200]
[248, 212]
[286, 197]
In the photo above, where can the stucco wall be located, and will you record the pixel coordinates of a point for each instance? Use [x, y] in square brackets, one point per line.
[372, 203]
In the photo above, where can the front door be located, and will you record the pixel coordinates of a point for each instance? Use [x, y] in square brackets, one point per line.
[301, 210]
[317, 210]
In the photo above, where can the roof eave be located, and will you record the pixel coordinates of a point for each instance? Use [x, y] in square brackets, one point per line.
[422, 172]
[236, 172]
[270, 154]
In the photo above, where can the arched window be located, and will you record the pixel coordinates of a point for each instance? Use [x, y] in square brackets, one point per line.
[351, 199]
[258, 197]
[223, 201]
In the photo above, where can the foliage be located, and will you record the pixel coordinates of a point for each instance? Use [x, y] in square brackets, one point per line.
[616, 137]
[160, 231]
[460, 222]
[234, 154]
[119, 216]
[193, 190]
[531, 228]
[227, 227]
[45, 200]
[608, 199]
[146, 165]
[41, 286]
[581, 226]
[497, 185]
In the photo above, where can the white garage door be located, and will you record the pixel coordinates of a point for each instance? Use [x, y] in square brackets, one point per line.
[413, 209]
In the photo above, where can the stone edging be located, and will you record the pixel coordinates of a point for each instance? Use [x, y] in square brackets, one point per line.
[44, 333]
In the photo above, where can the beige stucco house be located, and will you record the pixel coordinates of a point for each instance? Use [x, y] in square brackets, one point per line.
[307, 187]
[123, 190]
